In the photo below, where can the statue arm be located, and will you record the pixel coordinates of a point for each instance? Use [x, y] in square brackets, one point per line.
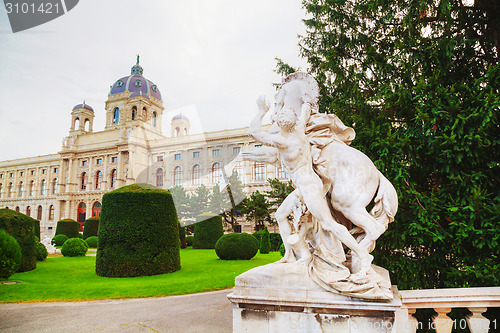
[262, 154]
[255, 128]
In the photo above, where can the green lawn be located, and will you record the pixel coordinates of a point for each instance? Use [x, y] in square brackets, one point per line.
[74, 279]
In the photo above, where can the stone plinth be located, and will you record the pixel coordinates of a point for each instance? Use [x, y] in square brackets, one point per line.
[282, 298]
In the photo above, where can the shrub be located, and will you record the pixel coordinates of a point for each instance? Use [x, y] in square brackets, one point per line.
[276, 241]
[41, 252]
[182, 236]
[258, 234]
[265, 243]
[21, 227]
[282, 249]
[189, 240]
[92, 241]
[138, 233]
[236, 246]
[80, 235]
[207, 231]
[10, 255]
[74, 247]
[59, 240]
[68, 227]
[36, 225]
[91, 227]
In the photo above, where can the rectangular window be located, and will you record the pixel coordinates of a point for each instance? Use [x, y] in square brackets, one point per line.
[259, 171]
[159, 158]
[236, 150]
[196, 154]
[99, 161]
[258, 146]
[22, 173]
[44, 171]
[56, 170]
[177, 156]
[1, 175]
[216, 152]
[11, 174]
[32, 172]
[84, 163]
[114, 159]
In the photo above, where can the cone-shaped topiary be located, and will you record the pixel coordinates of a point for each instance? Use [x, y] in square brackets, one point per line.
[21, 227]
[74, 247]
[265, 242]
[237, 246]
[10, 255]
[91, 227]
[207, 230]
[68, 227]
[138, 233]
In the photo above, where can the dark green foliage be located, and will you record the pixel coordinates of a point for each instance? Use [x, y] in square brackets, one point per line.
[257, 208]
[92, 241]
[189, 240]
[207, 230]
[80, 235]
[236, 246]
[21, 227]
[276, 241]
[74, 247]
[68, 227]
[138, 233]
[59, 240]
[10, 255]
[41, 252]
[91, 227]
[36, 225]
[421, 82]
[282, 249]
[265, 242]
[182, 236]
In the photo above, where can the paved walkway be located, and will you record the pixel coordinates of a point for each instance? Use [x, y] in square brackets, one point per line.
[204, 312]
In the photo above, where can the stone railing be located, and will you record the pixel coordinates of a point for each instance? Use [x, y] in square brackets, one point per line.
[476, 300]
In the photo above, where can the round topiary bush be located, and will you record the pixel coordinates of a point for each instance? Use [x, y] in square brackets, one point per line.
[265, 242]
[74, 247]
[189, 240]
[237, 246]
[92, 241]
[41, 252]
[59, 240]
[10, 255]
[207, 230]
[68, 227]
[21, 227]
[138, 233]
[91, 227]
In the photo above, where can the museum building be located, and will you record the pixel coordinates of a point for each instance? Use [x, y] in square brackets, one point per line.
[132, 147]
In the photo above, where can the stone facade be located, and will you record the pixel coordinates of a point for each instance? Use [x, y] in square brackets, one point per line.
[132, 147]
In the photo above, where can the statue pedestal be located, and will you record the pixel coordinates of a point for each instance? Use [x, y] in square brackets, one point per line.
[282, 298]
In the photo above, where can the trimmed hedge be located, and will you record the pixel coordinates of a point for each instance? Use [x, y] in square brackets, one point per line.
[92, 241]
[74, 247]
[36, 224]
[68, 227]
[59, 240]
[138, 233]
[274, 237]
[265, 243]
[182, 236]
[21, 227]
[237, 246]
[189, 240]
[41, 252]
[10, 255]
[91, 227]
[207, 230]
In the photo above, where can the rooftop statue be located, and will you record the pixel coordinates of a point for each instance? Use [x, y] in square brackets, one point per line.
[334, 183]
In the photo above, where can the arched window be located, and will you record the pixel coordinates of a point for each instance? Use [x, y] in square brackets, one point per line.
[43, 187]
[177, 131]
[21, 190]
[154, 118]
[178, 176]
[96, 209]
[18, 209]
[259, 171]
[240, 170]
[196, 175]
[112, 182]
[281, 173]
[54, 186]
[83, 181]
[87, 125]
[39, 213]
[51, 213]
[134, 112]
[32, 188]
[76, 124]
[116, 115]
[82, 211]
[98, 180]
[28, 211]
[9, 190]
[216, 173]
[159, 177]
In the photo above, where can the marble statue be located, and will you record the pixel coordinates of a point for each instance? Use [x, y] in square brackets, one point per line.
[334, 183]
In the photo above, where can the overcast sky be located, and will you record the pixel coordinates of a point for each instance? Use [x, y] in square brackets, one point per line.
[209, 58]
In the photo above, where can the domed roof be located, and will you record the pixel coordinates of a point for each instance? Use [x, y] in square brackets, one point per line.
[180, 116]
[136, 84]
[83, 106]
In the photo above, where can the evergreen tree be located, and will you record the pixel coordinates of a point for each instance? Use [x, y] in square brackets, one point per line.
[200, 200]
[265, 242]
[181, 202]
[420, 82]
[257, 208]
